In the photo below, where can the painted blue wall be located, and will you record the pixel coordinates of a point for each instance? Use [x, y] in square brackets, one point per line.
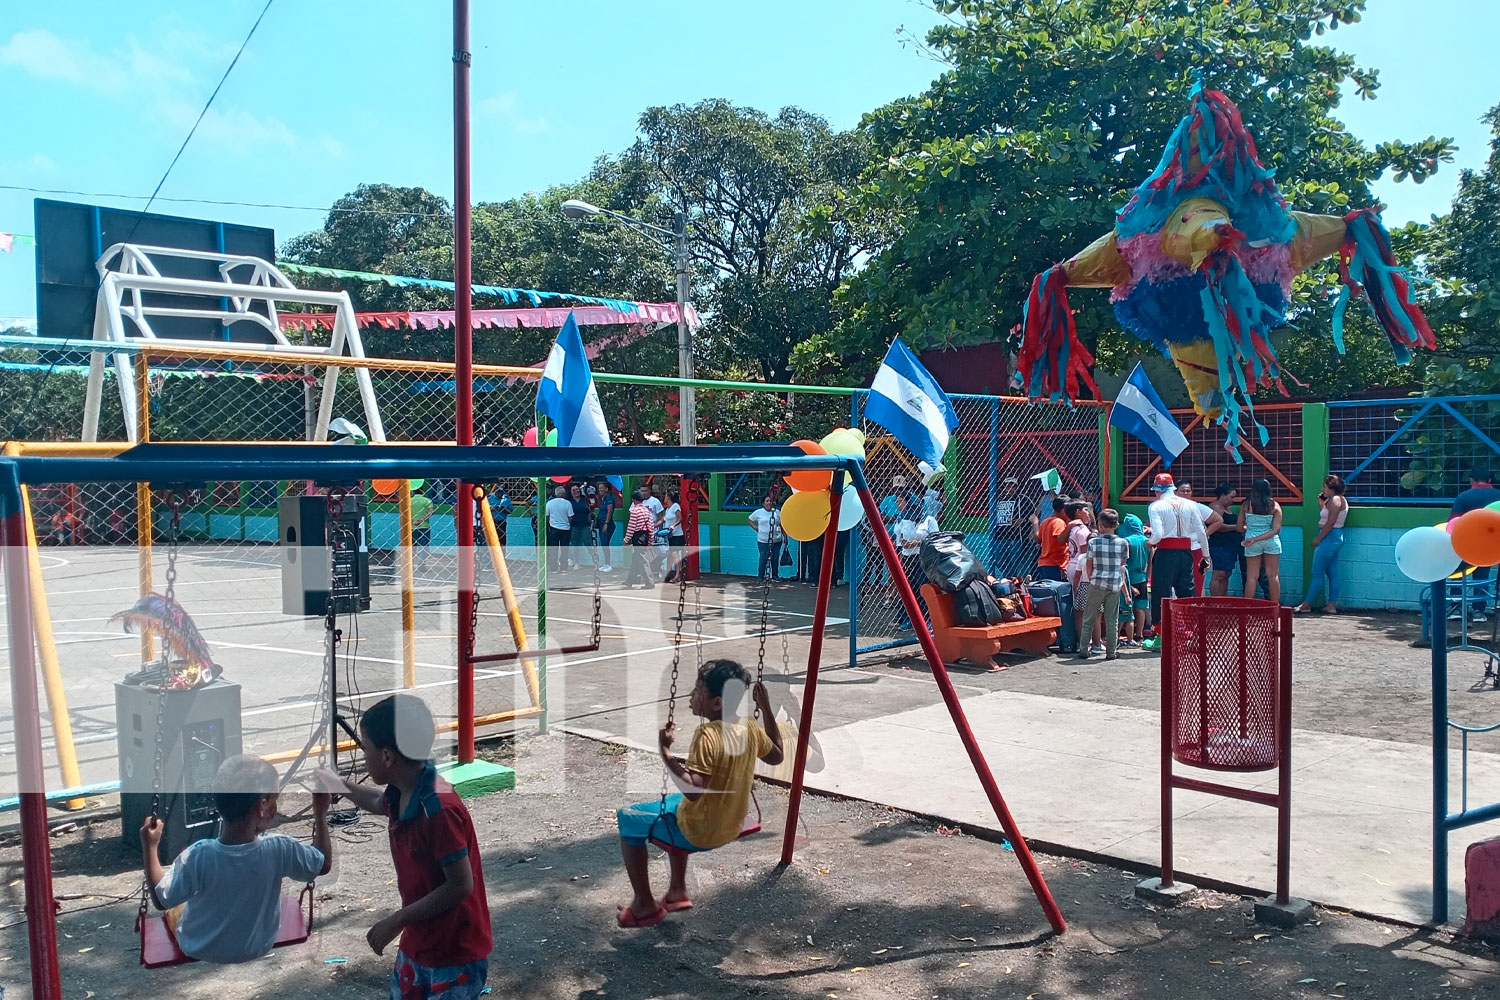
[1368, 574]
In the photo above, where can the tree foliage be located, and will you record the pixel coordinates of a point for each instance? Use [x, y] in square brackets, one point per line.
[1049, 112]
[768, 226]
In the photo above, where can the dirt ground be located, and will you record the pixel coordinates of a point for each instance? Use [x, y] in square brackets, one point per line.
[877, 904]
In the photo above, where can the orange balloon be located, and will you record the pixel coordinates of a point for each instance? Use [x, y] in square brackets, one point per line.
[1476, 537]
[809, 480]
[385, 487]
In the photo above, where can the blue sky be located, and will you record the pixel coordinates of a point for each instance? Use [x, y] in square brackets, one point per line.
[330, 94]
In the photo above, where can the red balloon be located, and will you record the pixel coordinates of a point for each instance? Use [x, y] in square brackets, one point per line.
[1476, 537]
[529, 438]
[810, 480]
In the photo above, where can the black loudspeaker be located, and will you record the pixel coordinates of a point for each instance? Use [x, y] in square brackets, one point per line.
[200, 728]
[306, 560]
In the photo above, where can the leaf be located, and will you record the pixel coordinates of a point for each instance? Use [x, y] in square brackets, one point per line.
[859, 968]
[964, 965]
[1261, 937]
[85, 951]
[1215, 961]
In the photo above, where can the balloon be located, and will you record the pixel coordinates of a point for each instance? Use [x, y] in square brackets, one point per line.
[385, 487]
[528, 439]
[417, 484]
[1492, 506]
[808, 480]
[1426, 554]
[560, 479]
[851, 511]
[1451, 522]
[804, 516]
[1476, 537]
[843, 441]
[551, 439]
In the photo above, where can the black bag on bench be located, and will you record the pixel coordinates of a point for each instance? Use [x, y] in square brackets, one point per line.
[975, 606]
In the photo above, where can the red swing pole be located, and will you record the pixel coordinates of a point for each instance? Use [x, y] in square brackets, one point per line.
[955, 709]
[36, 847]
[463, 377]
[814, 655]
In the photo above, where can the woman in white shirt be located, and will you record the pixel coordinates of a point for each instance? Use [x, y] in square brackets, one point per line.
[671, 522]
[766, 520]
[913, 528]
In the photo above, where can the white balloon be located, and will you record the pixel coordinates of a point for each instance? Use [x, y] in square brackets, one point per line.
[851, 511]
[1426, 554]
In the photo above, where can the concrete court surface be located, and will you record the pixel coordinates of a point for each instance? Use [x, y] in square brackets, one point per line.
[1075, 746]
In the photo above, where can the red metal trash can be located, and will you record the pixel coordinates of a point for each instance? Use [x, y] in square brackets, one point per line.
[1222, 661]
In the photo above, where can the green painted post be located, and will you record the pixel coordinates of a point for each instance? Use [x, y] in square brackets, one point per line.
[715, 516]
[1315, 469]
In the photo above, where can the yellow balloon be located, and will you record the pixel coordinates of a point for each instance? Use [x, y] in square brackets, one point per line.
[804, 516]
[843, 441]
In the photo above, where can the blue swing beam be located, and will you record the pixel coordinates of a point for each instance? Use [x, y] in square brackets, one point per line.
[166, 465]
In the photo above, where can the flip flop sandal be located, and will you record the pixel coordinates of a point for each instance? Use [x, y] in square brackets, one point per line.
[676, 906]
[626, 918]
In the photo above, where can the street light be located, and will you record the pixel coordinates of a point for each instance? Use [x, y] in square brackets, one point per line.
[578, 211]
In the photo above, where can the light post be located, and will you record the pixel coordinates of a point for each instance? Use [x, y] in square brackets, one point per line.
[687, 401]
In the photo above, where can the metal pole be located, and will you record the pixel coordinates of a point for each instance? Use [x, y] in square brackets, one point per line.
[1168, 690]
[463, 373]
[36, 848]
[956, 712]
[856, 542]
[814, 657]
[1284, 751]
[686, 395]
[1440, 752]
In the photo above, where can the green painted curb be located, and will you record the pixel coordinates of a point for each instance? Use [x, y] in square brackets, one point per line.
[477, 778]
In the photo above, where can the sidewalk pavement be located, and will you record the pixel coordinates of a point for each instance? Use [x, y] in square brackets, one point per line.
[1087, 776]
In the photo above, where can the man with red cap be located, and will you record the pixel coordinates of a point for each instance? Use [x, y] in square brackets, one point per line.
[1176, 530]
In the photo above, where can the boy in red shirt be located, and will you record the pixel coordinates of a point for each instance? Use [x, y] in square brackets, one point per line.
[444, 920]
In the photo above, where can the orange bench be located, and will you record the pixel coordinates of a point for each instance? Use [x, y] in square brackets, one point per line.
[978, 643]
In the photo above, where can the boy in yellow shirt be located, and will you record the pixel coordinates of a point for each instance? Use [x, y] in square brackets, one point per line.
[716, 780]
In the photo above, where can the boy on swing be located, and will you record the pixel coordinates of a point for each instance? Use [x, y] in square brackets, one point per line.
[715, 781]
[223, 897]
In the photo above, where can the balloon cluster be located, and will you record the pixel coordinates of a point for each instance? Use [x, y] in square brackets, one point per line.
[528, 440]
[1429, 554]
[805, 514]
[386, 487]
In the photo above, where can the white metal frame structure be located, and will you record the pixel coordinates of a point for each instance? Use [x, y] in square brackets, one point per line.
[126, 272]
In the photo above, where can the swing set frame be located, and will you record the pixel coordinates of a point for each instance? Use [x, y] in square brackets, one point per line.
[178, 463]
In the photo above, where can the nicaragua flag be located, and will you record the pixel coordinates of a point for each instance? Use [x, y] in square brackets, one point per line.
[566, 395]
[907, 401]
[1139, 410]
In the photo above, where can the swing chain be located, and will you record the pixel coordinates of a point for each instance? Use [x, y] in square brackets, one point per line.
[159, 753]
[335, 532]
[174, 535]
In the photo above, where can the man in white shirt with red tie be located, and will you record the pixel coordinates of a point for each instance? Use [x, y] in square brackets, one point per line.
[1176, 530]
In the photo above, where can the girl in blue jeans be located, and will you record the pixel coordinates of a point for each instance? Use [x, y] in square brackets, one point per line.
[1325, 562]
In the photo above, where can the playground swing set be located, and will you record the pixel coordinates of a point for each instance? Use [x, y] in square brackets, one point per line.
[177, 463]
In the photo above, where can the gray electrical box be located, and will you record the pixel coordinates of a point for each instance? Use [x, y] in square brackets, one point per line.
[200, 729]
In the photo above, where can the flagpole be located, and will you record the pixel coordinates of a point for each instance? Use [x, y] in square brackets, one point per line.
[463, 371]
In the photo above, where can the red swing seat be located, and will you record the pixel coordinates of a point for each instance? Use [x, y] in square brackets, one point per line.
[159, 945]
[750, 828]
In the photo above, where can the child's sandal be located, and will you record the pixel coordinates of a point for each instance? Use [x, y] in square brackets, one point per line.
[627, 918]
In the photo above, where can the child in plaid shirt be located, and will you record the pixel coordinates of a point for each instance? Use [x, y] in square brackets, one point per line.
[1105, 567]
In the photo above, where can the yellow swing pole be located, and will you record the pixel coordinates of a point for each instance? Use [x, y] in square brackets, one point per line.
[57, 698]
[512, 608]
[408, 591]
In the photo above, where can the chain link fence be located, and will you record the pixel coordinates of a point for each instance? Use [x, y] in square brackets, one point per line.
[987, 491]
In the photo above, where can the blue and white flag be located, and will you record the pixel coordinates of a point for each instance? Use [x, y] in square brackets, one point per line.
[907, 401]
[1139, 410]
[567, 395]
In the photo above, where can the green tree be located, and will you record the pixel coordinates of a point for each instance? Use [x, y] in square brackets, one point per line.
[771, 234]
[1047, 114]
